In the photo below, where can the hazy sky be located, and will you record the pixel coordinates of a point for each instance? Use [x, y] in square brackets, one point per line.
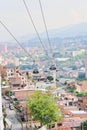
[58, 13]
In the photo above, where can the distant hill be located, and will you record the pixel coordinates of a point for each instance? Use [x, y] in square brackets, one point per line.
[70, 31]
[74, 30]
[55, 35]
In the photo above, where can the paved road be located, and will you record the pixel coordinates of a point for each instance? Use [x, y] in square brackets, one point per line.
[60, 88]
[11, 116]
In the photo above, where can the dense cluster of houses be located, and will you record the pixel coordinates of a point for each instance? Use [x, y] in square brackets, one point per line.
[74, 109]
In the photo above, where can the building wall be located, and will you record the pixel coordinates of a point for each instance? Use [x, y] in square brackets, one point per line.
[23, 93]
[1, 116]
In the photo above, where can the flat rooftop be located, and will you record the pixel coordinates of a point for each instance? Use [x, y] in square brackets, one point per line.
[79, 112]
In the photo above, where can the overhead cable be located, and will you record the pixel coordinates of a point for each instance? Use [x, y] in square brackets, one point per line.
[6, 28]
[42, 12]
[29, 14]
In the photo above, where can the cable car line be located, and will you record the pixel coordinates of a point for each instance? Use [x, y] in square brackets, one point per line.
[6, 28]
[44, 47]
[29, 14]
[44, 21]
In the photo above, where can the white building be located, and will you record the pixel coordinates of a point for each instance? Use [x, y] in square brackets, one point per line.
[1, 116]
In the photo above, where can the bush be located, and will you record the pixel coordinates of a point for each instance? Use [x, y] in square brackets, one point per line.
[81, 94]
[50, 78]
[8, 93]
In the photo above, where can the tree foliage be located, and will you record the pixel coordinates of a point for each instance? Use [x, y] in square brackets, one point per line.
[42, 107]
[50, 78]
[81, 94]
[8, 93]
[83, 125]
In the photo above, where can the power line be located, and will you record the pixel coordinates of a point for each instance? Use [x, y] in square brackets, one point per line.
[14, 38]
[42, 12]
[29, 14]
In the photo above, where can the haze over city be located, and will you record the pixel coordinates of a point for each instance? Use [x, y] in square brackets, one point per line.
[57, 14]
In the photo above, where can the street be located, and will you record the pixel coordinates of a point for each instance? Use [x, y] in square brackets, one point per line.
[11, 117]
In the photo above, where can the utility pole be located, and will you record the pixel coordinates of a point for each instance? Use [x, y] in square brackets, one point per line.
[1, 115]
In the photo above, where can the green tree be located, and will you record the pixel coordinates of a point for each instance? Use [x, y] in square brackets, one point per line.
[81, 94]
[43, 108]
[83, 125]
[4, 116]
[50, 78]
[8, 93]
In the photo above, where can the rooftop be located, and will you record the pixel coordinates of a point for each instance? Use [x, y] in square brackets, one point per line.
[79, 112]
[62, 128]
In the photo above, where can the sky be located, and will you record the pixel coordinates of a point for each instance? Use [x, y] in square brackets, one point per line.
[58, 13]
